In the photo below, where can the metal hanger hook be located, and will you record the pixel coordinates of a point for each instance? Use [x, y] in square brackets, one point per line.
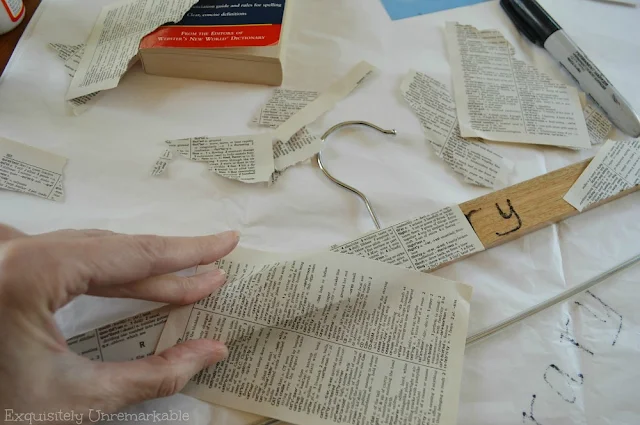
[340, 183]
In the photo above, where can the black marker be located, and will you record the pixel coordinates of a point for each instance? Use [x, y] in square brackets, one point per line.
[540, 28]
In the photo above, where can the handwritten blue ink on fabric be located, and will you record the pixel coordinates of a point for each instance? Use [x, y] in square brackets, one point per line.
[400, 9]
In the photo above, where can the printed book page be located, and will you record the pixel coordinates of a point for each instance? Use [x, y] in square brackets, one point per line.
[31, 170]
[424, 243]
[330, 339]
[432, 103]
[129, 339]
[115, 38]
[501, 98]
[245, 158]
[615, 168]
[135, 338]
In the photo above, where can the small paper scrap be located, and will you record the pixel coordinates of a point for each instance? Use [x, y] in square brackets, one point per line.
[30, 170]
[71, 54]
[501, 98]
[432, 103]
[162, 163]
[598, 125]
[615, 168]
[114, 40]
[282, 105]
[245, 158]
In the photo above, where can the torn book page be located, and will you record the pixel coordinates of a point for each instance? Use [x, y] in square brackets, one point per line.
[31, 170]
[115, 38]
[245, 158]
[136, 338]
[162, 163]
[71, 55]
[598, 125]
[424, 243]
[282, 105]
[501, 98]
[614, 169]
[324, 102]
[432, 103]
[327, 339]
[128, 339]
[300, 147]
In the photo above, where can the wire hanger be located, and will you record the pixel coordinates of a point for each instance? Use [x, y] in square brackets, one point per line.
[340, 183]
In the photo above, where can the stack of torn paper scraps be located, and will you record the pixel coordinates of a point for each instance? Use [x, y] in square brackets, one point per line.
[262, 157]
[497, 98]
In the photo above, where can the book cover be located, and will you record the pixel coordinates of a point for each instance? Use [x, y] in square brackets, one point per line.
[212, 24]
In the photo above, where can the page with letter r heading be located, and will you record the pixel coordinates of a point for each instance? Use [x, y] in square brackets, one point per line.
[327, 339]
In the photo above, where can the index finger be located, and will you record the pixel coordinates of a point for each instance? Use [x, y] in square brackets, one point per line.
[73, 264]
[123, 258]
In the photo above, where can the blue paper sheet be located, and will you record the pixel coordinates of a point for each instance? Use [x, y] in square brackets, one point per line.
[400, 9]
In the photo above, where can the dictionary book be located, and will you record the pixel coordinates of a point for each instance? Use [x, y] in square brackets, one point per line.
[222, 41]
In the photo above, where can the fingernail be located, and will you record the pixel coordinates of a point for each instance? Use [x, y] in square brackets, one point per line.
[231, 234]
[216, 274]
[220, 353]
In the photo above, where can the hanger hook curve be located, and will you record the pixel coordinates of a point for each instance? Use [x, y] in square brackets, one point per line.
[340, 183]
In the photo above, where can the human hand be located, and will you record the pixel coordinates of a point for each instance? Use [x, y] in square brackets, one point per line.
[40, 274]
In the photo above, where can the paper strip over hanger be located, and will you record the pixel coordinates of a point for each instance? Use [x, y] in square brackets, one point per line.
[262, 152]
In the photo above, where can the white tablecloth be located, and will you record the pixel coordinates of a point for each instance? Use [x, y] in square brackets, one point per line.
[112, 147]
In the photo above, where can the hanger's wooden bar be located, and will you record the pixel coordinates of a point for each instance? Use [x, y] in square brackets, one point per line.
[512, 212]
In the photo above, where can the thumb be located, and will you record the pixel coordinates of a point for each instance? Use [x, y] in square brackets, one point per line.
[160, 375]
